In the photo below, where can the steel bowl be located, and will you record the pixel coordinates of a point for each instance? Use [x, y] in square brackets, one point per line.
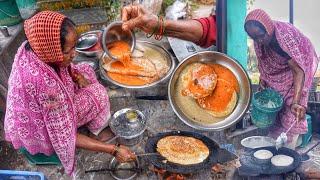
[87, 41]
[244, 96]
[90, 36]
[166, 55]
[121, 174]
[254, 142]
[114, 32]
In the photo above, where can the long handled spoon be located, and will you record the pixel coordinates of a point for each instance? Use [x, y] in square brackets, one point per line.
[282, 139]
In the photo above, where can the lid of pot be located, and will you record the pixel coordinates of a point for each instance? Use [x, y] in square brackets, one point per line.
[128, 123]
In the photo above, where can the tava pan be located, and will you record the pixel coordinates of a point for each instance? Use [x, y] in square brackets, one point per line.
[249, 166]
[158, 161]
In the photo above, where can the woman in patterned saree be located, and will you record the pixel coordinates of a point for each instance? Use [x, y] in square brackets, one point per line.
[287, 63]
[49, 97]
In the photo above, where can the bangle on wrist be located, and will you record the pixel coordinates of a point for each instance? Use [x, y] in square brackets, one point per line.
[115, 150]
[154, 29]
[159, 35]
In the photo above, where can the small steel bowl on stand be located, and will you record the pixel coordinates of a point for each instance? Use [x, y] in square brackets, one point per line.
[128, 126]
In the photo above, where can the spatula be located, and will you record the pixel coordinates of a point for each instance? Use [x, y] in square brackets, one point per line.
[305, 156]
[148, 154]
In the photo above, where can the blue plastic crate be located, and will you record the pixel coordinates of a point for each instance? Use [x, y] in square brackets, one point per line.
[21, 175]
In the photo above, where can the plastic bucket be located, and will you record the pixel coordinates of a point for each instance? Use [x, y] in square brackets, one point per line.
[27, 8]
[26, 3]
[9, 13]
[265, 107]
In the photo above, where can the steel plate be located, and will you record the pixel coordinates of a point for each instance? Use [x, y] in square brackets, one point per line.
[165, 54]
[244, 96]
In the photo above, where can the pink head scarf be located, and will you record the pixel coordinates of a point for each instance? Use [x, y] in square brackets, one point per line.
[263, 18]
[43, 34]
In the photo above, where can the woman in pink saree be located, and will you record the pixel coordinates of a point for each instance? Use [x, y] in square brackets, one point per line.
[287, 63]
[49, 97]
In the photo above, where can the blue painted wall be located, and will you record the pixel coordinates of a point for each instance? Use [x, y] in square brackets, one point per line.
[236, 35]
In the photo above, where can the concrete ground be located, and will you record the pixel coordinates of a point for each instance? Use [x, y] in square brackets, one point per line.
[160, 118]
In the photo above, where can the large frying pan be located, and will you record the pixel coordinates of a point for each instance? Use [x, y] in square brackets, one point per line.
[250, 168]
[157, 161]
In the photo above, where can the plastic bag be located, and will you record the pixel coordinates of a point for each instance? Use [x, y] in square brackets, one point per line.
[177, 10]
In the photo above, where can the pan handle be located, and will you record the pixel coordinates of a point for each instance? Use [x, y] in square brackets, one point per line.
[112, 170]
[112, 139]
[311, 148]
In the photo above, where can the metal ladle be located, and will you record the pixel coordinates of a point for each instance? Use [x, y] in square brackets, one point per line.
[282, 139]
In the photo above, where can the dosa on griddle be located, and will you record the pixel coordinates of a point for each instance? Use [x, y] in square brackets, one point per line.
[182, 150]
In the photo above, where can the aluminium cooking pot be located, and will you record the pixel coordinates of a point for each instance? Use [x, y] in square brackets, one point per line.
[128, 126]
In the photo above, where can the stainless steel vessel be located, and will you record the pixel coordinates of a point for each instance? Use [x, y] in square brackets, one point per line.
[243, 97]
[90, 39]
[114, 32]
[128, 126]
[165, 55]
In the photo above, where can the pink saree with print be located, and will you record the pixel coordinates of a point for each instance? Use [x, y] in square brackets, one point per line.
[45, 108]
[275, 71]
